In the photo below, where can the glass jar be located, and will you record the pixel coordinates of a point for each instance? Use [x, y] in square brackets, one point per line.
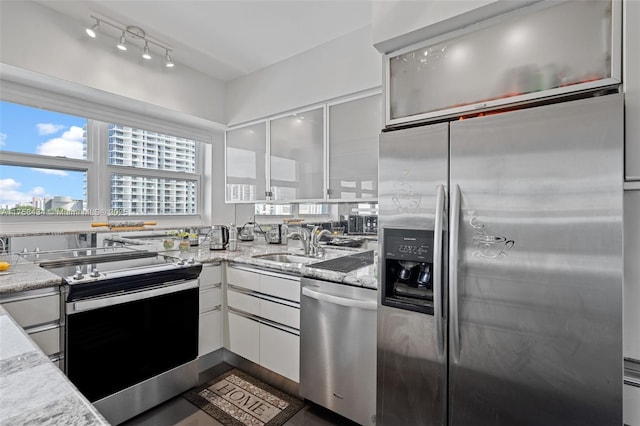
[184, 244]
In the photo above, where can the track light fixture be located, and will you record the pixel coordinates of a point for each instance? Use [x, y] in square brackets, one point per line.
[122, 43]
[168, 62]
[130, 33]
[145, 52]
[93, 31]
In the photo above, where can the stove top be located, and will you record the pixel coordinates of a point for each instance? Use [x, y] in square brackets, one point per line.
[97, 271]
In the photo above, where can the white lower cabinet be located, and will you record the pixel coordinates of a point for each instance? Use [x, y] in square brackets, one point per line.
[210, 320]
[48, 339]
[631, 405]
[265, 327]
[244, 337]
[210, 331]
[38, 313]
[280, 352]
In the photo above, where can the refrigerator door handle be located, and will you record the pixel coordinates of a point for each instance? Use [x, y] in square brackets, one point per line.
[454, 226]
[437, 269]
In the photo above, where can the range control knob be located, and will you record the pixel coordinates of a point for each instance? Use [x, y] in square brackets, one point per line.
[180, 262]
[191, 261]
[94, 273]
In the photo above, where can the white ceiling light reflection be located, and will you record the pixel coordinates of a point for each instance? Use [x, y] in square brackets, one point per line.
[516, 37]
[458, 54]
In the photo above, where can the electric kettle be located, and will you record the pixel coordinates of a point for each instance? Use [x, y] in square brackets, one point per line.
[219, 237]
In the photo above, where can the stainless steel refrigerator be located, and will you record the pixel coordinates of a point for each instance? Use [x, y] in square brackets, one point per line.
[500, 296]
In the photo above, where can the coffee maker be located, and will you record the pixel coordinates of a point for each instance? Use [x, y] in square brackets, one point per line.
[407, 269]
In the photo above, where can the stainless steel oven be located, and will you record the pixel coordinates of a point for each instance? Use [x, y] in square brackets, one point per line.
[131, 326]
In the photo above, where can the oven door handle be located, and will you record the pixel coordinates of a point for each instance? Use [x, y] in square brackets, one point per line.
[87, 305]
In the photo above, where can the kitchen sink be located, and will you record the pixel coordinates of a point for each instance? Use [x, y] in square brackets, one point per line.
[285, 258]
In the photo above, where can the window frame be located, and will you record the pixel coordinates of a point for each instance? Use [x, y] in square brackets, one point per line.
[98, 172]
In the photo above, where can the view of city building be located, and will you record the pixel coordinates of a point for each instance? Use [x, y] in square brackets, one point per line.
[150, 150]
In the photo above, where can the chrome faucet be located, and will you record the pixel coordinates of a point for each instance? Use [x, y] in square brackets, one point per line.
[304, 236]
[314, 246]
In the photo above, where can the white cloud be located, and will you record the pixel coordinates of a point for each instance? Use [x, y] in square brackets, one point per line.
[49, 128]
[9, 184]
[52, 172]
[3, 138]
[11, 195]
[68, 145]
[39, 191]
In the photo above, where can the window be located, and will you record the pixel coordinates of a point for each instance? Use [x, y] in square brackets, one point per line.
[165, 180]
[31, 191]
[43, 168]
[37, 131]
[49, 165]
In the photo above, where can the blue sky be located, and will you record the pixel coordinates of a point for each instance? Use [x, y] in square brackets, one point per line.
[37, 131]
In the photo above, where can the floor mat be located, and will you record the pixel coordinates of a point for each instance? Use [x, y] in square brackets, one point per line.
[236, 399]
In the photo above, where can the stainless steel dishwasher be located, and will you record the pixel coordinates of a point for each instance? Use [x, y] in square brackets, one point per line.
[338, 348]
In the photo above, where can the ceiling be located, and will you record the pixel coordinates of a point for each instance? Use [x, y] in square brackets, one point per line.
[227, 39]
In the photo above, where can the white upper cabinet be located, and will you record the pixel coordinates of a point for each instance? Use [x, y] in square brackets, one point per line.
[297, 156]
[323, 153]
[354, 127]
[544, 50]
[246, 153]
[396, 23]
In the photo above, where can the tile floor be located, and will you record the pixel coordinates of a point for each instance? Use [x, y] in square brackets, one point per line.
[179, 411]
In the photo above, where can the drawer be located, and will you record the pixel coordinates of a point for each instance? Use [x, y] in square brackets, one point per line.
[280, 287]
[244, 337]
[282, 314]
[210, 332]
[210, 298]
[35, 311]
[210, 275]
[244, 279]
[243, 302]
[47, 340]
[280, 352]
[631, 405]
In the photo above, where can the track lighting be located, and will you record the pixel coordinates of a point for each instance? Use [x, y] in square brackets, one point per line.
[130, 34]
[121, 44]
[92, 32]
[145, 52]
[168, 62]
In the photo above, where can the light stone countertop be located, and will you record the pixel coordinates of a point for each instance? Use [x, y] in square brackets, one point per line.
[32, 389]
[28, 276]
[363, 277]
[25, 275]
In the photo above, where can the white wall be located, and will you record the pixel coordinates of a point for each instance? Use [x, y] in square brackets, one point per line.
[38, 39]
[343, 66]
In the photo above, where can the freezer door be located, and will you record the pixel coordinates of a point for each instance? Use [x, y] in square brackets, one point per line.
[412, 163]
[412, 366]
[536, 273]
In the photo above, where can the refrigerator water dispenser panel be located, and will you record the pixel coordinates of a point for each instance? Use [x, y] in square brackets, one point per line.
[407, 279]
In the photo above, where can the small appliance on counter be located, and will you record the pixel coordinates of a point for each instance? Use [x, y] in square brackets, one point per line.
[219, 238]
[359, 224]
[277, 234]
[246, 232]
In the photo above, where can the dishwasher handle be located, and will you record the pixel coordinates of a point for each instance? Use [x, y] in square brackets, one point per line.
[342, 301]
